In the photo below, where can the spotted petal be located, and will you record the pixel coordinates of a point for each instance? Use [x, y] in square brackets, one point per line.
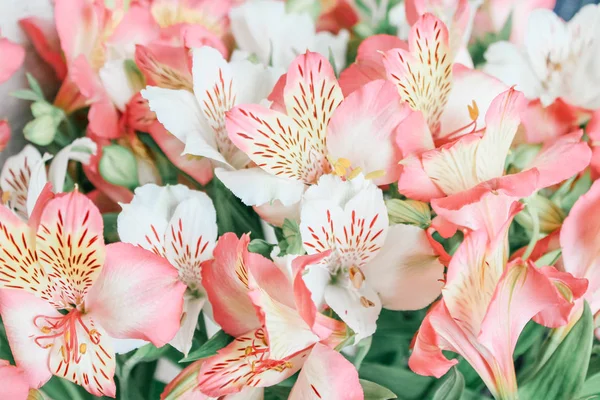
[15, 177]
[246, 362]
[423, 75]
[70, 245]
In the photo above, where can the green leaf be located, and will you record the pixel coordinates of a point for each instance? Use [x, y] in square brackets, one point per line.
[399, 380]
[261, 247]
[232, 214]
[26, 94]
[59, 388]
[217, 342]
[564, 372]
[277, 393]
[34, 85]
[591, 387]
[451, 386]
[374, 391]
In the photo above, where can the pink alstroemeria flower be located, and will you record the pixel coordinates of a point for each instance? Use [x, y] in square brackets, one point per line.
[481, 319]
[179, 225]
[465, 180]
[371, 265]
[12, 56]
[311, 130]
[277, 330]
[65, 294]
[450, 97]
[578, 239]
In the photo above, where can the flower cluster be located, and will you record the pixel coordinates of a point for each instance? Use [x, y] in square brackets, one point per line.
[246, 199]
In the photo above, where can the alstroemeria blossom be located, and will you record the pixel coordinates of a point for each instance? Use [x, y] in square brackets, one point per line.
[179, 225]
[465, 179]
[450, 97]
[285, 36]
[371, 264]
[65, 294]
[277, 328]
[24, 175]
[311, 130]
[578, 239]
[481, 319]
[557, 60]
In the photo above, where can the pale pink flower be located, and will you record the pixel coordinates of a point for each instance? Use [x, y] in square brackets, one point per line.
[58, 262]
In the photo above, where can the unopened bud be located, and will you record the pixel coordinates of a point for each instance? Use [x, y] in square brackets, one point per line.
[118, 166]
[42, 130]
[410, 212]
[550, 215]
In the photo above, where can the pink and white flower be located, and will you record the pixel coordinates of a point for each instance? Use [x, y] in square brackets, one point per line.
[371, 265]
[58, 262]
[179, 225]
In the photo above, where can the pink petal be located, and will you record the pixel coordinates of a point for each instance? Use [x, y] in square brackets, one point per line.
[164, 66]
[44, 37]
[579, 241]
[246, 362]
[522, 292]
[427, 65]
[137, 295]
[70, 245]
[19, 309]
[79, 24]
[549, 161]
[413, 136]
[225, 280]
[5, 134]
[369, 62]
[563, 283]
[13, 383]
[137, 26]
[326, 374]
[12, 56]
[363, 127]
[414, 182]
[546, 123]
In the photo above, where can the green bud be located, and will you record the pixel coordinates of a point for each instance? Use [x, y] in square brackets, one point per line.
[409, 212]
[522, 156]
[42, 130]
[119, 166]
[549, 214]
[41, 108]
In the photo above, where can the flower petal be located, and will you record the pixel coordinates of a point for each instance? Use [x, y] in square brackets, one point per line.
[192, 306]
[405, 272]
[19, 310]
[137, 295]
[13, 384]
[226, 283]
[70, 245]
[12, 55]
[326, 374]
[16, 175]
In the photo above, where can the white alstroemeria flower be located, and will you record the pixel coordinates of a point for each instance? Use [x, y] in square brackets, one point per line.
[558, 59]
[24, 175]
[180, 225]
[371, 264]
[264, 29]
[198, 118]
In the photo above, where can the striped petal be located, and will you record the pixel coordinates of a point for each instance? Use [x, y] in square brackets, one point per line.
[15, 176]
[423, 75]
[70, 245]
[246, 362]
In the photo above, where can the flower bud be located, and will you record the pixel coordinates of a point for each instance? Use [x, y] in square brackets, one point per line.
[42, 130]
[549, 214]
[410, 212]
[119, 166]
[186, 383]
[41, 108]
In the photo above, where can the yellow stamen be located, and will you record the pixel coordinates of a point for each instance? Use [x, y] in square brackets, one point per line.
[356, 276]
[366, 302]
[82, 348]
[355, 172]
[46, 330]
[63, 352]
[344, 162]
[375, 174]
[473, 111]
[339, 170]
[5, 197]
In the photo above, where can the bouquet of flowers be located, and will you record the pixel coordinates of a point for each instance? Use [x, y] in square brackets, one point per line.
[304, 199]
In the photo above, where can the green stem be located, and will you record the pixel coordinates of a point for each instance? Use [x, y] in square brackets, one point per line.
[535, 236]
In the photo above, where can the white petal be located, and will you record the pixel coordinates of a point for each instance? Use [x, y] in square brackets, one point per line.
[189, 320]
[116, 83]
[80, 150]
